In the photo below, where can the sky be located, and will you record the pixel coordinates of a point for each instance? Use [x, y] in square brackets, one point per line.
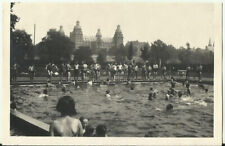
[173, 23]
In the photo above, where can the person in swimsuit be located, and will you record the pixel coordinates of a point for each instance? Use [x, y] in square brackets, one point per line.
[67, 124]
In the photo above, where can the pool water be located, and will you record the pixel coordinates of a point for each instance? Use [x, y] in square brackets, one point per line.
[127, 113]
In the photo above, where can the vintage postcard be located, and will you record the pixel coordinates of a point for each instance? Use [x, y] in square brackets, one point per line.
[112, 73]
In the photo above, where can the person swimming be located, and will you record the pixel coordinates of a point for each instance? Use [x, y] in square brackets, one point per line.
[64, 89]
[44, 94]
[152, 94]
[179, 94]
[169, 107]
[167, 97]
[107, 93]
[89, 131]
[84, 123]
[67, 124]
[101, 131]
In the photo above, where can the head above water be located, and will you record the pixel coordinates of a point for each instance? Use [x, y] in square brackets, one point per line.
[45, 91]
[101, 130]
[169, 107]
[66, 106]
[107, 91]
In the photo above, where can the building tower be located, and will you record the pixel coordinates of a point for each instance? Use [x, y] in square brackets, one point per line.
[61, 31]
[98, 39]
[77, 36]
[210, 46]
[118, 37]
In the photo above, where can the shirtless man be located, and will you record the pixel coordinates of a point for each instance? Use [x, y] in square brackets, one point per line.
[67, 124]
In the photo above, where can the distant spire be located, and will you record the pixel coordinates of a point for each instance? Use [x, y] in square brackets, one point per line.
[210, 44]
[61, 30]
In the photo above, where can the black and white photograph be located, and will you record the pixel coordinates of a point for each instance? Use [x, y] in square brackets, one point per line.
[116, 69]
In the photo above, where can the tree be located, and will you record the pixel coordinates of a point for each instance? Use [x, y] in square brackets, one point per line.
[130, 52]
[55, 47]
[20, 45]
[13, 18]
[159, 52]
[101, 59]
[145, 52]
[83, 54]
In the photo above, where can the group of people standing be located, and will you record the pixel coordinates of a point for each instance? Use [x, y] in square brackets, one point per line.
[113, 71]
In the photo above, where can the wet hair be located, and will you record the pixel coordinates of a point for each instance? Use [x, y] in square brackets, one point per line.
[89, 131]
[45, 91]
[101, 130]
[64, 89]
[66, 106]
[107, 91]
[206, 90]
[169, 107]
[151, 88]
[179, 94]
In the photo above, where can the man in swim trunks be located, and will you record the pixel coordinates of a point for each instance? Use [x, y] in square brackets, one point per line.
[76, 71]
[31, 72]
[188, 70]
[136, 71]
[67, 124]
[149, 71]
[49, 71]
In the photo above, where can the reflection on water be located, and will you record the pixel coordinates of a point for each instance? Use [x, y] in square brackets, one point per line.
[127, 112]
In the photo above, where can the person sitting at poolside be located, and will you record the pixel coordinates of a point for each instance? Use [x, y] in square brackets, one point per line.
[107, 93]
[67, 124]
[84, 123]
[101, 131]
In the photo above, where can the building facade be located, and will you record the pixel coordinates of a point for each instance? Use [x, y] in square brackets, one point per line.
[96, 42]
[76, 36]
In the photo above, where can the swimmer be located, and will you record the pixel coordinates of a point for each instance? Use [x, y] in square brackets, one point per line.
[44, 94]
[89, 131]
[101, 131]
[180, 94]
[151, 94]
[169, 107]
[64, 89]
[107, 93]
[167, 96]
[90, 83]
[67, 124]
[84, 123]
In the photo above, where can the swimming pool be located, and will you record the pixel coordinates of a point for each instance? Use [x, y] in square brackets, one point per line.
[128, 113]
